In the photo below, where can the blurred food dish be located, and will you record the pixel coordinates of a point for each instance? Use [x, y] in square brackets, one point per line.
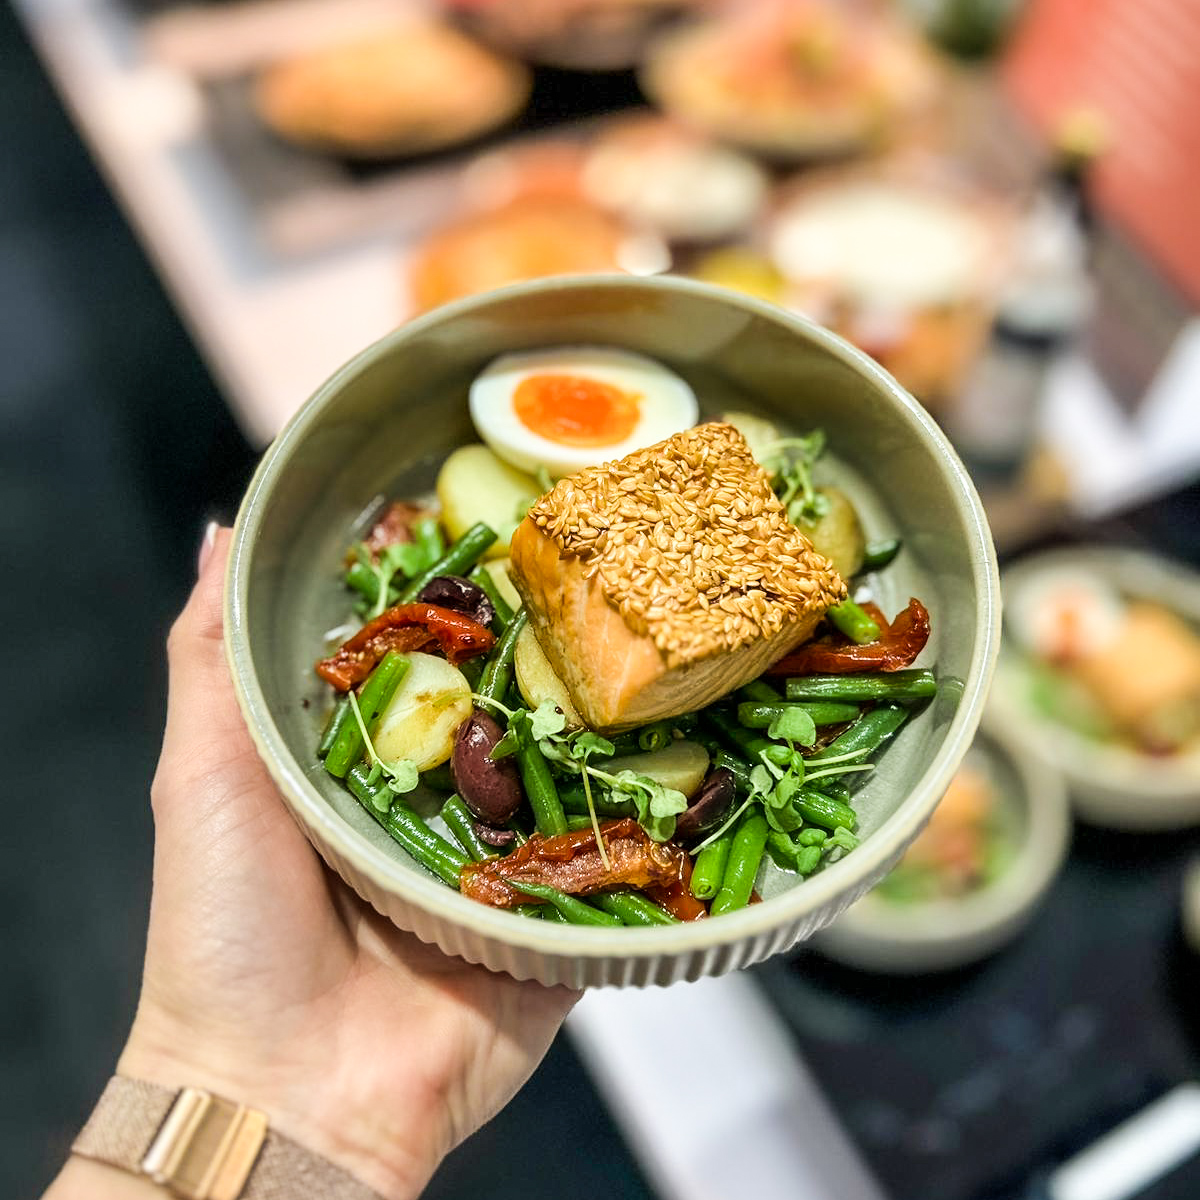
[900, 261]
[660, 175]
[744, 270]
[543, 168]
[793, 80]
[973, 877]
[417, 87]
[527, 239]
[1101, 677]
[591, 35]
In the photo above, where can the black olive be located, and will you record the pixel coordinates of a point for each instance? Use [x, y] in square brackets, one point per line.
[461, 595]
[491, 790]
[709, 807]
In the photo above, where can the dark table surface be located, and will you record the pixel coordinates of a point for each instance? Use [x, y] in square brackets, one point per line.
[972, 1084]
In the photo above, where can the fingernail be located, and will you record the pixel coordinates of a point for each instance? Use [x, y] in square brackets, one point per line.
[206, 547]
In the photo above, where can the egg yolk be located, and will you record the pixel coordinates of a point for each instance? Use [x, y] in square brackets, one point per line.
[574, 411]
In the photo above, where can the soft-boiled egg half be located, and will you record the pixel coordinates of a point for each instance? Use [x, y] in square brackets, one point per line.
[571, 407]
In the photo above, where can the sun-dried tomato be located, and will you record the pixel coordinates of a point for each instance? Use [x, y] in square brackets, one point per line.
[405, 627]
[898, 644]
[572, 863]
[676, 897]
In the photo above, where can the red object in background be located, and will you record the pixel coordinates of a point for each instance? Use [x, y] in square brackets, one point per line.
[1137, 64]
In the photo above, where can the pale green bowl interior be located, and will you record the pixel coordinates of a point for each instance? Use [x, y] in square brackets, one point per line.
[383, 424]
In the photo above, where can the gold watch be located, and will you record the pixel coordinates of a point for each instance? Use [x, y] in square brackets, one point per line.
[200, 1146]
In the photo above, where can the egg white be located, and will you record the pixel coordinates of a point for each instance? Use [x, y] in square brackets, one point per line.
[666, 405]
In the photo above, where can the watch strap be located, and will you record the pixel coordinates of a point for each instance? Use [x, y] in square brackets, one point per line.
[203, 1147]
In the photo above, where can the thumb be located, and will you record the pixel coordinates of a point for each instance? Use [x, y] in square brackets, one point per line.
[205, 732]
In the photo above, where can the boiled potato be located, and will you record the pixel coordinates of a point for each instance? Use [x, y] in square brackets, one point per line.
[474, 485]
[498, 570]
[759, 433]
[681, 765]
[838, 534]
[536, 679]
[432, 701]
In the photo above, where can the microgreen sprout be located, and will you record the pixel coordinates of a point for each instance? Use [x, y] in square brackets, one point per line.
[790, 461]
[406, 559]
[402, 775]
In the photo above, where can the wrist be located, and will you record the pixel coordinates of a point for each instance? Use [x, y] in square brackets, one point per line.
[86, 1179]
[305, 1109]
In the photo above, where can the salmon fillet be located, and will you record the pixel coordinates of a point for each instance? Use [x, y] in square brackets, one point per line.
[660, 582]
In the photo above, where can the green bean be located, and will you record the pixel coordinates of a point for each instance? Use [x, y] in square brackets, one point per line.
[375, 696]
[577, 821]
[837, 787]
[738, 767]
[656, 736]
[458, 560]
[441, 779]
[461, 822]
[498, 672]
[363, 580]
[760, 692]
[818, 809]
[914, 684]
[540, 791]
[741, 869]
[420, 842]
[878, 555]
[575, 910]
[531, 910]
[625, 743]
[481, 577]
[741, 741]
[574, 801]
[549, 913]
[427, 534]
[472, 671]
[709, 868]
[756, 715]
[632, 908]
[855, 622]
[338, 716]
[866, 735]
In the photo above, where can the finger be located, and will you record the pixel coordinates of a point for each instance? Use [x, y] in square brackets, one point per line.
[202, 714]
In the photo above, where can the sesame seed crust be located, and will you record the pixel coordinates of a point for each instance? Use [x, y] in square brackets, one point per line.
[690, 544]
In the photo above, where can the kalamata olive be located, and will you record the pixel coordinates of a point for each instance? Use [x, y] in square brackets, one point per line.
[709, 807]
[453, 591]
[494, 837]
[491, 790]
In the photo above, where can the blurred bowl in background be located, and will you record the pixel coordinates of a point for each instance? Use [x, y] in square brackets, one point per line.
[904, 258]
[793, 82]
[383, 425]
[576, 35]
[660, 175]
[1100, 679]
[930, 914]
[532, 237]
[412, 88]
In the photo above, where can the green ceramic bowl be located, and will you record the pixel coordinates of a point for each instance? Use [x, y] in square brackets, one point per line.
[381, 426]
